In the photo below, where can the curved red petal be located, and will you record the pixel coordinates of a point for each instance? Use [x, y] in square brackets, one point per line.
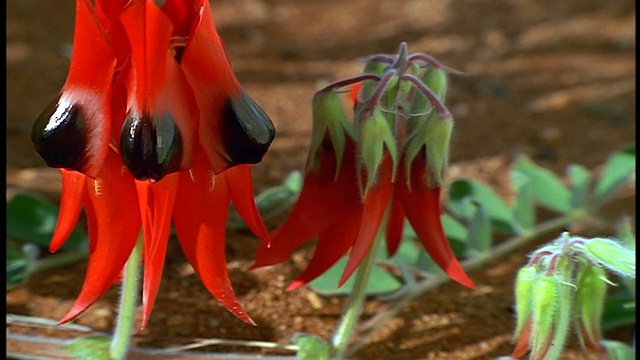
[208, 71]
[88, 85]
[421, 205]
[200, 215]
[73, 192]
[332, 244]
[395, 225]
[240, 186]
[114, 224]
[156, 206]
[375, 206]
[321, 203]
[157, 85]
[522, 344]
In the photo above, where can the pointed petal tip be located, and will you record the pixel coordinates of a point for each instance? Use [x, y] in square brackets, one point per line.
[295, 284]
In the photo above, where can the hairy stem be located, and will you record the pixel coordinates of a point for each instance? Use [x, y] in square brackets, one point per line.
[357, 297]
[127, 307]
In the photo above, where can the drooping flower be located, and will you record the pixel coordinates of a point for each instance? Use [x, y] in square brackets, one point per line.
[152, 127]
[369, 174]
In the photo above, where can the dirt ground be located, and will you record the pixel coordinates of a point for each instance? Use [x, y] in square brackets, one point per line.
[554, 80]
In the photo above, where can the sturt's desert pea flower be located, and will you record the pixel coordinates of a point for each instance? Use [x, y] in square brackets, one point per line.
[152, 128]
[370, 166]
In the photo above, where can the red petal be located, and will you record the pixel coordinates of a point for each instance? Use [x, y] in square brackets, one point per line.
[375, 205]
[114, 224]
[156, 207]
[332, 244]
[322, 202]
[522, 345]
[395, 225]
[421, 205]
[89, 83]
[200, 215]
[208, 70]
[157, 83]
[241, 190]
[73, 193]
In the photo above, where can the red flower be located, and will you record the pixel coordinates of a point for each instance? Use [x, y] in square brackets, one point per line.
[357, 181]
[152, 126]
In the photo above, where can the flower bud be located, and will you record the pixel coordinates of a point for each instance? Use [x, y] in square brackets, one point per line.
[544, 310]
[588, 306]
[525, 282]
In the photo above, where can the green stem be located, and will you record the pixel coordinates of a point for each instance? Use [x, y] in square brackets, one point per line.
[128, 300]
[357, 297]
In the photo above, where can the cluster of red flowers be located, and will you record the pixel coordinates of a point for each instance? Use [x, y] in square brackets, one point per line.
[151, 129]
[152, 126]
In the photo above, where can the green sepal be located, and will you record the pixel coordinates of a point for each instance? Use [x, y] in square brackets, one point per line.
[435, 79]
[374, 136]
[588, 305]
[562, 321]
[544, 310]
[525, 281]
[328, 117]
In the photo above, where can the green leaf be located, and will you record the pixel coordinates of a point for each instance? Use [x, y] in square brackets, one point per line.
[380, 282]
[32, 220]
[548, 189]
[311, 347]
[479, 239]
[612, 256]
[524, 209]
[453, 229]
[272, 201]
[619, 168]
[580, 178]
[619, 310]
[17, 264]
[618, 350]
[462, 192]
[90, 348]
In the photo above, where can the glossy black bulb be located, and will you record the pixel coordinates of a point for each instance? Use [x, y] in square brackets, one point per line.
[247, 130]
[59, 135]
[151, 147]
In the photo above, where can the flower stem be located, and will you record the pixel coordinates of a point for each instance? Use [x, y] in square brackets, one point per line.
[127, 308]
[356, 299]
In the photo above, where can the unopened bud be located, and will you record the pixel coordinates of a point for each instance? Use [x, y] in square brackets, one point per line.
[544, 309]
[525, 282]
[588, 306]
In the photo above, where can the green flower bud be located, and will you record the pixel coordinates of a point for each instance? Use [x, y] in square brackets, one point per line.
[544, 311]
[328, 117]
[588, 306]
[525, 282]
[374, 135]
[562, 321]
[612, 255]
